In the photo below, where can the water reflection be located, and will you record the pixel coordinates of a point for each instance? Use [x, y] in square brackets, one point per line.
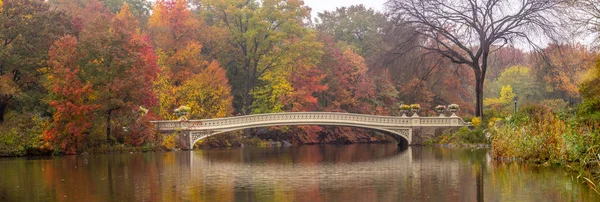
[307, 173]
[315, 155]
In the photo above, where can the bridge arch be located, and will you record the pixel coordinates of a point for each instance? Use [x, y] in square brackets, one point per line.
[401, 128]
[401, 135]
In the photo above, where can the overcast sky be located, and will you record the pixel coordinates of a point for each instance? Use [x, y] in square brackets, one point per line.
[329, 5]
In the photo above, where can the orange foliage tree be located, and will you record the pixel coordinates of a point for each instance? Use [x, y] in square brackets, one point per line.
[561, 70]
[186, 77]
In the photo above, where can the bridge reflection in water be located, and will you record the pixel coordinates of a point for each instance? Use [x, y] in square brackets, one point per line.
[360, 172]
[354, 170]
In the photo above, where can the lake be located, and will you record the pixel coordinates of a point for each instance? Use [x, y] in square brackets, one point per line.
[359, 172]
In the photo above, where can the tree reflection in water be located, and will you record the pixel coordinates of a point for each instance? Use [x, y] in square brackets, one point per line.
[379, 172]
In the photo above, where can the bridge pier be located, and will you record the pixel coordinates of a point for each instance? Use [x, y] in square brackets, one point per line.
[185, 140]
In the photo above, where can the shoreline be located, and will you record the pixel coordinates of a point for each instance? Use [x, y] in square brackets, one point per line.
[121, 149]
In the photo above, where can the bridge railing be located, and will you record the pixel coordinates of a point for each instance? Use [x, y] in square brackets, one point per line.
[307, 118]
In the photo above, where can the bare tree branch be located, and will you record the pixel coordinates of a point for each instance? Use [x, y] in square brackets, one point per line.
[467, 31]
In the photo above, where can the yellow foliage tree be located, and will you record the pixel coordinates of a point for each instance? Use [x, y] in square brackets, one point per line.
[503, 102]
[207, 93]
[267, 98]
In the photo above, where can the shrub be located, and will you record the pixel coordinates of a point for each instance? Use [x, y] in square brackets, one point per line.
[466, 135]
[476, 122]
[169, 141]
[535, 134]
[21, 135]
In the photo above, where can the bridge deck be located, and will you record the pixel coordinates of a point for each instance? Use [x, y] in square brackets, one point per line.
[399, 127]
[307, 118]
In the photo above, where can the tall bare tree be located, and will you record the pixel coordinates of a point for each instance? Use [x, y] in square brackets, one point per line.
[467, 31]
[585, 17]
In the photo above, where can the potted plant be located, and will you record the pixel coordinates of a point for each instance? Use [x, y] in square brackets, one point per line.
[440, 109]
[453, 108]
[404, 109]
[182, 112]
[415, 109]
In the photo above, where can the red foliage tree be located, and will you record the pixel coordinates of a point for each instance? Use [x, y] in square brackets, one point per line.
[71, 98]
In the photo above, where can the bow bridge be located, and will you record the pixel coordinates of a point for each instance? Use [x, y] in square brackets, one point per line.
[411, 130]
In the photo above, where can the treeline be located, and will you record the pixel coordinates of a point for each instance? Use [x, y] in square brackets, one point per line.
[83, 74]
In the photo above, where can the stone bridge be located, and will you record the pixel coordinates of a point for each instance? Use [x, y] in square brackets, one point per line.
[410, 130]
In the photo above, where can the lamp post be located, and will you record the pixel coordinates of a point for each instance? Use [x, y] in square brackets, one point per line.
[516, 98]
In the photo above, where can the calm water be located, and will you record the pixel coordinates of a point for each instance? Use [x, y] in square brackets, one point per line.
[306, 173]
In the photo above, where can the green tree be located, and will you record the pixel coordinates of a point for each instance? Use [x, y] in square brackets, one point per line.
[262, 33]
[267, 97]
[504, 102]
[139, 8]
[519, 78]
[28, 29]
[355, 25]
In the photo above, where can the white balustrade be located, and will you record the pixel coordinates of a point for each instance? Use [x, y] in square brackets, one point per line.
[307, 118]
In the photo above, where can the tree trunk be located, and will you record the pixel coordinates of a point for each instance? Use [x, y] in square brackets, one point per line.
[108, 115]
[3, 105]
[478, 94]
[247, 99]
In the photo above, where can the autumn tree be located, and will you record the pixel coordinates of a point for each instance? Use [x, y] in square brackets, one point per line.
[261, 33]
[349, 87]
[467, 31]
[121, 65]
[504, 102]
[207, 93]
[560, 69]
[519, 77]
[504, 58]
[186, 78]
[590, 89]
[139, 8]
[117, 68]
[286, 87]
[173, 31]
[28, 29]
[71, 98]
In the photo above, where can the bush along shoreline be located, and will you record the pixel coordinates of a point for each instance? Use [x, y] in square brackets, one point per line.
[25, 140]
[537, 135]
[474, 136]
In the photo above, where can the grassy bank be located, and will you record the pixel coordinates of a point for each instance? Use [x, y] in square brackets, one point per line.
[538, 135]
[474, 136]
